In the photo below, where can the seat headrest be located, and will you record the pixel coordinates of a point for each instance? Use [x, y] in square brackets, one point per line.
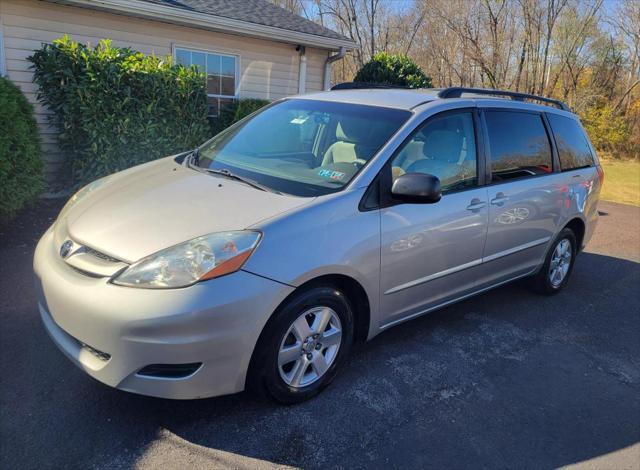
[353, 130]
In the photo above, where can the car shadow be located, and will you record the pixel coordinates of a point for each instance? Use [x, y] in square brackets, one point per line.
[506, 379]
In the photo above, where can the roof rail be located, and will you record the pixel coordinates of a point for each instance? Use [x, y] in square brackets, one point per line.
[362, 85]
[456, 92]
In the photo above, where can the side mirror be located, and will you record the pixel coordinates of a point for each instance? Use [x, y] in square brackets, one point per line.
[420, 188]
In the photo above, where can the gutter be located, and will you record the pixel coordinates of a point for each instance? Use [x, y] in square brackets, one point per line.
[327, 66]
[192, 19]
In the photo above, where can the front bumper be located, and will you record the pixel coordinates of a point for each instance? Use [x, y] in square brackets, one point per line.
[216, 323]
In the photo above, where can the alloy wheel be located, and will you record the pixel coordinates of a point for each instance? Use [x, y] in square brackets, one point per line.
[560, 262]
[309, 347]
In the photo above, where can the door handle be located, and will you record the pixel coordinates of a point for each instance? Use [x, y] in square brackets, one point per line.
[500, 199]
[476, 204]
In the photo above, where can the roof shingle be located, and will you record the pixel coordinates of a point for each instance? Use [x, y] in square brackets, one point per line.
[252, 11]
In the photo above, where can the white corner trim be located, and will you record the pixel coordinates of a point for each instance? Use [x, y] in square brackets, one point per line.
[3, 63]
[215, 23]
[302, 72]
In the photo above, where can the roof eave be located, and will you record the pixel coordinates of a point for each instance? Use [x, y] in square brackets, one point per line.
[210, 22]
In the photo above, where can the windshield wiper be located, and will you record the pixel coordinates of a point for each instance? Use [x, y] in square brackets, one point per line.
[226, 173]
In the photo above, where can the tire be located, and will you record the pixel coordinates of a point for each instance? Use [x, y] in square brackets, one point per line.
[551, 279]
[314, 355]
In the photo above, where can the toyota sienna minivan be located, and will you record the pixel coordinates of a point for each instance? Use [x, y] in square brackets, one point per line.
[257, 259]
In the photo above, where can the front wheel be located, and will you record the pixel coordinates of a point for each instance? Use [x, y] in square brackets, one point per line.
[304, 345]
[558, 265]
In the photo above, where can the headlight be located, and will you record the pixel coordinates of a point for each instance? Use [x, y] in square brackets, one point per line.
[187, 263]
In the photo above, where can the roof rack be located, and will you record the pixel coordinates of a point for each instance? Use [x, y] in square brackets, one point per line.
[456, 92]
[363, 85]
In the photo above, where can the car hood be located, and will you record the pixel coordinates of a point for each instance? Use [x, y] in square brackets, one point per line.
[137, 212]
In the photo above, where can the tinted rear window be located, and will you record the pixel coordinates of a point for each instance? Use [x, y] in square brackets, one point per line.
[573, 147]
[519, 145]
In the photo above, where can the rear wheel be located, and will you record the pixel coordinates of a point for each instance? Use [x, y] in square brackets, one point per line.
[558, 265]
[304, 345]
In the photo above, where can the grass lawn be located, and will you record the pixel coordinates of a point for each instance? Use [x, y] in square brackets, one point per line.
[621, 181]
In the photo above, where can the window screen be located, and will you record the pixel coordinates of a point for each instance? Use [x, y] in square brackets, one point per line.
[519, 145]
[573, 148]
[221, 75]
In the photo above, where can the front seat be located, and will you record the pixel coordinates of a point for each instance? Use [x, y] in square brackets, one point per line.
[442, 151]
[352, 144]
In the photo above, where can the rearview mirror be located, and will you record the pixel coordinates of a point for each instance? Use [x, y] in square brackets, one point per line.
[420, 188]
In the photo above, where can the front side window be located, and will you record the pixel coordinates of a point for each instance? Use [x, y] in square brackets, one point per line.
[444, 147]
[519, 145]
[303, 147]
[573, 148]
[221, 71]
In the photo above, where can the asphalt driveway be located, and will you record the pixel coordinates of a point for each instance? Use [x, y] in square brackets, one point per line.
[506, 380]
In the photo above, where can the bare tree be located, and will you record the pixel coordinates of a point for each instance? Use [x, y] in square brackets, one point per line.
[569, 49]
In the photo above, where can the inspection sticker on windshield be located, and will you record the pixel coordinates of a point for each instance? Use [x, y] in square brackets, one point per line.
[334, 175]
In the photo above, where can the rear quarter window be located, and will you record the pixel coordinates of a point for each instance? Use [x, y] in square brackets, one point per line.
[572, 143]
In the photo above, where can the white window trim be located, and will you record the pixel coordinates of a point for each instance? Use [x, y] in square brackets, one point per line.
[3, 63]
[236, 95]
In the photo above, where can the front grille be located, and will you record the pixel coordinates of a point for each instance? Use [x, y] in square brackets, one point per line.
[91, 262]
[103, 356]
[97, 254]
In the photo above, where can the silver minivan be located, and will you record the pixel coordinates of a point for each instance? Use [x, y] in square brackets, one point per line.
[257, 259]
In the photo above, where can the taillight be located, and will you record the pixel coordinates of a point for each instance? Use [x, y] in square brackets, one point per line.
[600, 173]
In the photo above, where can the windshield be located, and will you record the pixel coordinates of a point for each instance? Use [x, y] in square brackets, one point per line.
[302, 147]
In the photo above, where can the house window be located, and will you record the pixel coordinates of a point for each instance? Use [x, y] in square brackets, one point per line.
[222, 75]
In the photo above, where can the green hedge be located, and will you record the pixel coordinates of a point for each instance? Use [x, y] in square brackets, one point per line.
[390, 69]
[115, 107]
[235, 111]
[20, 162]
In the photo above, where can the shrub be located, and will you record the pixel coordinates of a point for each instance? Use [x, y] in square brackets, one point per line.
[235, 111]
[606, 130]
[390, 69]
[20, 162]
[115, 107]
[610, 132]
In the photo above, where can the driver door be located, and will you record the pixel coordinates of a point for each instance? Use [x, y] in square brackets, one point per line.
[430, 252]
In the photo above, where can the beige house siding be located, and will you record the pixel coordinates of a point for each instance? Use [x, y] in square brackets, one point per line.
[267, 69]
